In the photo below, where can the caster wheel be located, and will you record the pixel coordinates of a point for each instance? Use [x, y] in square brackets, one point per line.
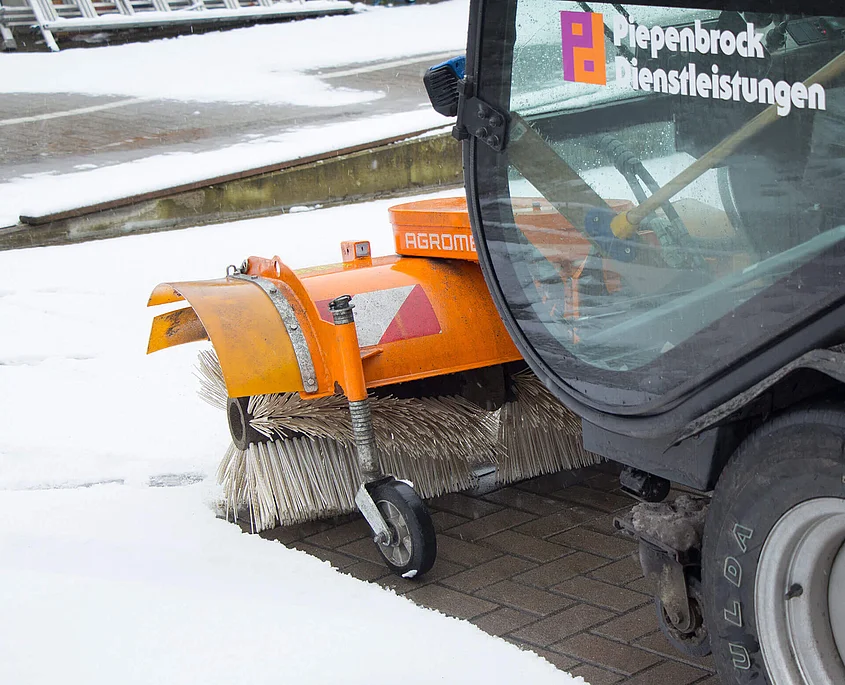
[693, 642]
[412, 547]
[774, 554]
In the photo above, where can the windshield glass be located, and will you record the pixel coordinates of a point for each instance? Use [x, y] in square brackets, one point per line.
[666, 168]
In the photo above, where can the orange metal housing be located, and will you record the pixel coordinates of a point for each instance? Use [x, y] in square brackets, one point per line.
[415, 318]
[433, 228]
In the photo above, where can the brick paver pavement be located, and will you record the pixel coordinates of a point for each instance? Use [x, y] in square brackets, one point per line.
[538, 564]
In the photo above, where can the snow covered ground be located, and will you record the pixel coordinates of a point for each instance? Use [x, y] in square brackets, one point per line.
[274, 63]
[278, 64]
[126, 583]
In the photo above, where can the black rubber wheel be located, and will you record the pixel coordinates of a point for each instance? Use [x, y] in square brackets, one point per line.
[795, 459]
[695, 642]
[412, 549]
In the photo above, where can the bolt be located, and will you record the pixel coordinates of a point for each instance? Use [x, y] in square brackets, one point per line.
[495, 119]
[293, 326]
[342, 302]
[483, 111]
[273, 290]
[795, 590]
[481, 132]
[493, 141]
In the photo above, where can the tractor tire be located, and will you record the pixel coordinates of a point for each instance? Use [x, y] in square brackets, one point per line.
[776, 616]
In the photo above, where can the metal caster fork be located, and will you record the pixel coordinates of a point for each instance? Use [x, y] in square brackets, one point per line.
[400, 521]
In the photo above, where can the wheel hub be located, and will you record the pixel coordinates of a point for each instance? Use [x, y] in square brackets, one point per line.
[799, 594]
[399, 548]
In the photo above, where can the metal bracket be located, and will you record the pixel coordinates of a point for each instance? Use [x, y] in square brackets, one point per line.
[671, 583]
[294, 330]
[369, 510]
[477, 118]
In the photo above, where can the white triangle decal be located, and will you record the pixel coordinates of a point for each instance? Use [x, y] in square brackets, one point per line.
[375, 311]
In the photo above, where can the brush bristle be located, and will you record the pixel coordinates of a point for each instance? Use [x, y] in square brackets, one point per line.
[539, 435]
[307, 468]
[301, 479]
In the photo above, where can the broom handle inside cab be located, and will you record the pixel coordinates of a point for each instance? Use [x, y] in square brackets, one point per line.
[625, 224]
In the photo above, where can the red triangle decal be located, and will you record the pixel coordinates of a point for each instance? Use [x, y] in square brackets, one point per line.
[414, 319]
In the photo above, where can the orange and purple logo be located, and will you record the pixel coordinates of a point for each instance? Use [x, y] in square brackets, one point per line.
[583, 47]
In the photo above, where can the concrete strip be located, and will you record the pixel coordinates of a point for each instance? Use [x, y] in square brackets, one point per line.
[412, 166]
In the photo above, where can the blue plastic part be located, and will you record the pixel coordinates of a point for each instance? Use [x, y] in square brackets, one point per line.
[457, 65]
[597, 226]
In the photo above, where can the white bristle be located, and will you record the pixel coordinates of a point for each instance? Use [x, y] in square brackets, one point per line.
[307, 469]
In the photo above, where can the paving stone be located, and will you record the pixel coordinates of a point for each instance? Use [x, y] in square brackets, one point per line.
[561, 569]
[607, 482]
[553, 482]
[526, 546]
[488, 573]
[443, 520]
[463, 505]
[341, 535]
[503, 620]
[630, 626]
[599, 676]
[490, 525]
[647, 586]
[364, 570]
[285, 535]
[463, 552]
[605, 501]
[442, 569]
[450, 602]
[656, 642]
[363, 549]
[303, 530]
[524, 598]
[552, 524]
[336, 559]
[526, 501]
[621, 572]
[668, 672]
[604, 524]
[601, 594]
[564, 663]
[612, 547]
[562, 624]
[606, 653]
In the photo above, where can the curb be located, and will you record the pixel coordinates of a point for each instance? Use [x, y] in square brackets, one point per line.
[382, 169]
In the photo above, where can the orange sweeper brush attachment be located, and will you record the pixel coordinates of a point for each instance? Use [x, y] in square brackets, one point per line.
[420, 380]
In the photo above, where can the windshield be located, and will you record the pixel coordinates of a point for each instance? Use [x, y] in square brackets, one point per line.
[670, 174]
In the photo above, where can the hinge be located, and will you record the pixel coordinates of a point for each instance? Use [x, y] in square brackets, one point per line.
[477, 118]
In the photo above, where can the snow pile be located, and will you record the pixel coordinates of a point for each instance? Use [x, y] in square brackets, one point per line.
[124, 583]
